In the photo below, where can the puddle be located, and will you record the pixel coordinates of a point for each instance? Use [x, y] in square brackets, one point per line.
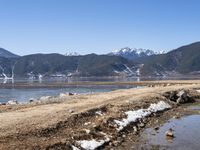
[186, 131]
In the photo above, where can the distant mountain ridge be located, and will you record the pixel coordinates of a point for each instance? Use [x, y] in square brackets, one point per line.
[6, 54]
[133, 53]
[181, 61]
[60, 65]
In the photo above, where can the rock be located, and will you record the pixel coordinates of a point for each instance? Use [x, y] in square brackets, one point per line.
[70, 94]
[182, 94]
[178, 97]
[12, 102]
[31, 100]
[156, 128]
[176, 116]
[180, 100]
[71, 111]
[105, 122]
[169, 133]
[173, 96]
[168, 84]
[87, 123]
[87, 131]
[145, 120]
[116, 143]
[142, 125]
[182, 97]
[2, 103]
[135, 129]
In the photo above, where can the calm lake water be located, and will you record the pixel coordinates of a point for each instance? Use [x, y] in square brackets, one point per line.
[23, 94]
[35, 88]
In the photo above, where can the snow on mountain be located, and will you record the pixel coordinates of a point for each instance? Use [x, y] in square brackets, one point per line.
[132, 53]
[72, 54]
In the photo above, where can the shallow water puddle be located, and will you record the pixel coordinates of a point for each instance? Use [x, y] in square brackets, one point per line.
[186, 132]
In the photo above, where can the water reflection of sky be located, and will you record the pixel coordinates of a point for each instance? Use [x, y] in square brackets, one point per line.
[186, 132]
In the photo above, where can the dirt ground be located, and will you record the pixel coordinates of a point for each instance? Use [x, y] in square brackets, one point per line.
[59, 125]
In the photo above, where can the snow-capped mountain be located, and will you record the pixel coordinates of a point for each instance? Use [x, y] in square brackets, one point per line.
[132, 53]
[72, 54]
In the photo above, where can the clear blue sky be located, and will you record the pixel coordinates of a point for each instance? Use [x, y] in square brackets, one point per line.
[99, 26]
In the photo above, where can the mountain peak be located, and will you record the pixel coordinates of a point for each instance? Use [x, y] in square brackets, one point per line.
[72, 54]
[133, 53]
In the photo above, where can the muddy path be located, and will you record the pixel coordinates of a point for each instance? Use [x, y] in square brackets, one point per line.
[81, 120]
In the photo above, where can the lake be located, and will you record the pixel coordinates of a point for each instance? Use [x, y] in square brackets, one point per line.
[22, 89]
[34, 89]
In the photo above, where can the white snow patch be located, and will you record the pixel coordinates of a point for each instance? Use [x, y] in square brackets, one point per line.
[128, 69]
[160, 106]
[87, 131]
[99, 113]
[198, 90]
[133, 116]
[92, 144]
[138, 71]
[75, 148]
[115, 71]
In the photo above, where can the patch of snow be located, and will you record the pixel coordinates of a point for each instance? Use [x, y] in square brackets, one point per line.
[128, 69]
[72, 54]
[138, 72]
[87, 131]
[115, 71]
[12, 102]
[160, 52]
[75, 148]
[198, 90]
[92, 144]
[87, 123]
[160, 106]
[133, 116]
[99, 113]
[132, 53]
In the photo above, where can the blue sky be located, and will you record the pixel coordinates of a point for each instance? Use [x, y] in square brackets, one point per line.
[97, 26]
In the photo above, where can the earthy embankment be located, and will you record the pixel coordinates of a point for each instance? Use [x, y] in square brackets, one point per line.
[63, 125]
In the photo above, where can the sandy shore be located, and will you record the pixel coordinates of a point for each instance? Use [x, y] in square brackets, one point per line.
[79, 117]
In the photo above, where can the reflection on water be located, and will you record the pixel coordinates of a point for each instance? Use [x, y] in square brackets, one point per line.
[186, 132]
[88, 79]
[69, 80]
[4, 81]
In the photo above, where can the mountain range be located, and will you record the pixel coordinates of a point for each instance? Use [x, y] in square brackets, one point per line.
[124, 62]
[134, 53]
